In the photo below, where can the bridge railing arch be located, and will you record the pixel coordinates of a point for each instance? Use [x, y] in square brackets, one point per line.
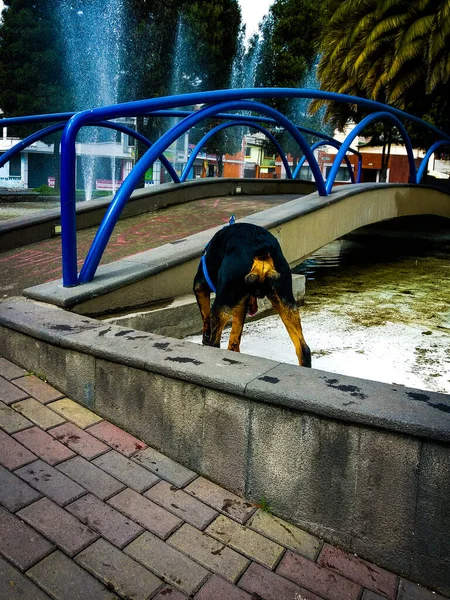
[378, 116]
[222, 126]
[424, 163]
[42, 133]
[336, 145]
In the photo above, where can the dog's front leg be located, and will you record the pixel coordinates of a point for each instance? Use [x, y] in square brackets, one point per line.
[290, 316]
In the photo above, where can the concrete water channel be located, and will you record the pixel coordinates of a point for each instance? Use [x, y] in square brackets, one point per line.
[377, 306]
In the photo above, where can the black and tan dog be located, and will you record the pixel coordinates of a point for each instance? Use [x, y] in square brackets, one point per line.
[241, 263]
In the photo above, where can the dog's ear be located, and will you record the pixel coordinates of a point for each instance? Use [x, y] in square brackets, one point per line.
[251, 277]
[272, 275]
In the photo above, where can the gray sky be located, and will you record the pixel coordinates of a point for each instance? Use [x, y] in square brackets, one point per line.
[252, 12]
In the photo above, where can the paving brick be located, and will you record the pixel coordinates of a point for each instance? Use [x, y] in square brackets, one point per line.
[267, 585]
[146, 513]
[111, 524]
[246, 541]
[63, 579]
[366, 574]
[368, 595]
[209, 552]
[75, 413]
[117, 438]
[51, 482]
[9, 370]
[12, 454]
[9, 393]
[19, 543]
[38, 389]
[59, 526]
[221, 499]
[165, 467]
[91, 477]
[176, 568]
[14, 586]
[407, 590]
[217, 588]
[15, 493]
[11, 421]
[126, 471]
[285, 534]
[43, 445]
[181, 504]
[318, 579]
[169, 593]
[39, 414]
[119, 571]
[79, 441]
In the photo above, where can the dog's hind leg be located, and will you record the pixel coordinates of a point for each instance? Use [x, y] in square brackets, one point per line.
[291, 318]
[239, 312]
[203, 294]
[220, 316]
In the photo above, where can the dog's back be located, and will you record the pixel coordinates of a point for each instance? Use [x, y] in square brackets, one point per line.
[245, 257]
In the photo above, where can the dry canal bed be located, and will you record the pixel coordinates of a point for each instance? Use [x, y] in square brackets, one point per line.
[377, 307]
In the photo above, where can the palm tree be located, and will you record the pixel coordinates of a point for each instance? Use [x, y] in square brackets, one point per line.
[393, 51]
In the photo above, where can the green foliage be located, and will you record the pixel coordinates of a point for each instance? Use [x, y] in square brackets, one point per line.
[265, 506]
[44, 190]
[395, 51]
[30, 60]
[287, 58]
[209, 32]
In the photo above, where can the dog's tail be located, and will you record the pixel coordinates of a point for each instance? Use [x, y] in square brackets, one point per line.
[262, 269]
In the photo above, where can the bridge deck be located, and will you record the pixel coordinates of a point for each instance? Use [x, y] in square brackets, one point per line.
[40, 262]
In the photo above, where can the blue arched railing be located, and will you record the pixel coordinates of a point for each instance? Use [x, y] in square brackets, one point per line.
[336, 145]
[42, 133]
[378, 116]
[218, 128]
[216, 102]
[424, 163]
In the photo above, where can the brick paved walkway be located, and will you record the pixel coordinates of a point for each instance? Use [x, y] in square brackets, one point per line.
[90, 512]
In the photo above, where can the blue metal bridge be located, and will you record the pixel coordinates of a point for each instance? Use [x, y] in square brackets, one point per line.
[227, 106]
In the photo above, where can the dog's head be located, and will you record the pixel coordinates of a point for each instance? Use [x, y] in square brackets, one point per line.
[262, 271]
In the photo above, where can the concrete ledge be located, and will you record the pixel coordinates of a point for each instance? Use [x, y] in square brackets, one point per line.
[301, 226]
[363, 464]
[42, 226]
[179, 317]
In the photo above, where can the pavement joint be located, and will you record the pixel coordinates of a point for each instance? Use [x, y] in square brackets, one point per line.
[96, 507]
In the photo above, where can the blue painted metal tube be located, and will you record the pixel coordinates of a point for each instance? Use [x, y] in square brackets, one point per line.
[212, 132]
[11, 121]
[426, 158]
[34, 137]
[38, 135]
[255, 119]
[358, 176]
[138, 136]
[68, 200]
[336, 145]
[168, 102]
[356, 131]
[112, 214]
